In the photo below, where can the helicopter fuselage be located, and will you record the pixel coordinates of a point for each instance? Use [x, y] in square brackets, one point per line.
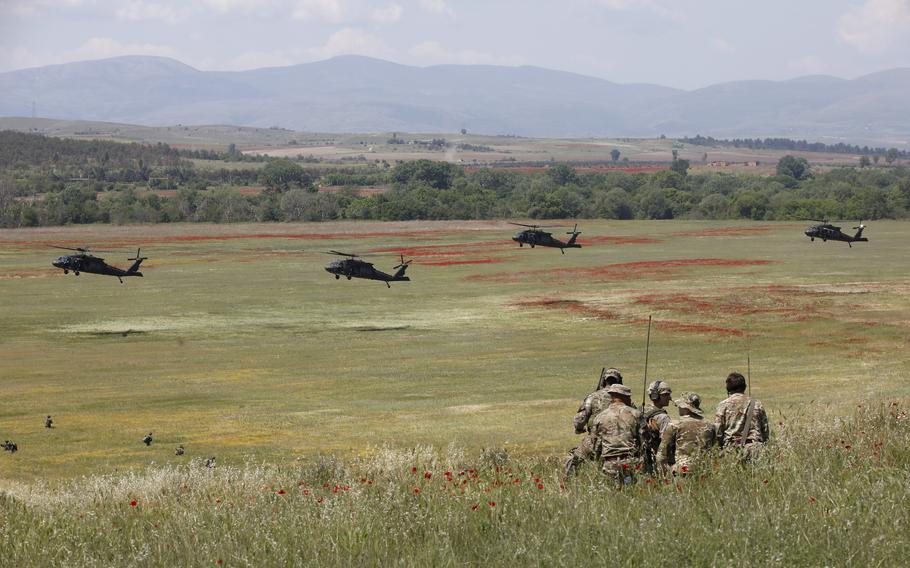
[544, 239]
[827, 232]
[353, 268]
[78, 263]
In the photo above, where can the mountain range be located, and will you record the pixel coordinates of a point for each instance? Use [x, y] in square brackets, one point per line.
[362, 94]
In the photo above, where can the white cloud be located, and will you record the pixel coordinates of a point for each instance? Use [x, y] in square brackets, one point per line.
[651, 6]
[433, 53]
[30, 7]
[137, 10]
[388, 15]
[324, 10]
[807, 65]
[243, 6]
[348, 41]
[437, 7]
[722, 45]
[876, 25]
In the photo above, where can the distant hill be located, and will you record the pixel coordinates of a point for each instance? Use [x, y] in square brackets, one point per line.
[361, 94]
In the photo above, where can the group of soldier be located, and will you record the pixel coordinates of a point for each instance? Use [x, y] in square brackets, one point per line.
[626, 441]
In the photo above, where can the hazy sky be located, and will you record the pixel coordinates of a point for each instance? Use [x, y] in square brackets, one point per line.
[680, 43]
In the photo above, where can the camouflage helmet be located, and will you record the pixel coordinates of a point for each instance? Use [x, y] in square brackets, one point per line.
[690, 401]
[620, 389]
[658, 388]
[609, 376]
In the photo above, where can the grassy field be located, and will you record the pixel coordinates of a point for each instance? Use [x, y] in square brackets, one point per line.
[424, 424]
[238, 344]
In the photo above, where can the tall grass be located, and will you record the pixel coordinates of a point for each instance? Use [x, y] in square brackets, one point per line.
[829, 491]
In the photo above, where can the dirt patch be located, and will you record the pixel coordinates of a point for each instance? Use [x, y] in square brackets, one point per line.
[620, 271]
[571, 306]
[725, 231]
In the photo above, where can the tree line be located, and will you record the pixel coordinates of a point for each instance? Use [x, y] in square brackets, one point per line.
[35, 194]
[890, 154]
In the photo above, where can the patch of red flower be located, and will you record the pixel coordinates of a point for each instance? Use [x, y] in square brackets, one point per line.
[811, 500]
[281, 492]
[491, 503]
[417, 491]
[414, 470]
[474, 507]
[540, 486]
[619, 271]
[427, 475]
[133, 503]
[306, 491]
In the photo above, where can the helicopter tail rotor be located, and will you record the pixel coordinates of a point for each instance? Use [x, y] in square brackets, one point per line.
[137, 261]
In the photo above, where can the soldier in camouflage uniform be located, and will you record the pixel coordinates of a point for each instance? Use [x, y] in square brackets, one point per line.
[654, 421]
[616, 434]
[740, 420]
[684, 442]
[590, 407]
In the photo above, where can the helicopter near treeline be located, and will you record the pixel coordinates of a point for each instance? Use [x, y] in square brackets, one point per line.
[535, 236]
[84, 261]
[828, 232]
[353, 267]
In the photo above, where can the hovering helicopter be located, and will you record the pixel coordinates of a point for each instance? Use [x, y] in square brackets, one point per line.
[534, 236]
[83, 261]
[826, 231]
[352, 267]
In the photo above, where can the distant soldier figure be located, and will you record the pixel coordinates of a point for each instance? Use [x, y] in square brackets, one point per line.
[617, 437]
[179, 451]
[210, 462]
[654, 421]
[740, 420]
[148, 439]
[684, 442]
[48, 422]
[590, 407]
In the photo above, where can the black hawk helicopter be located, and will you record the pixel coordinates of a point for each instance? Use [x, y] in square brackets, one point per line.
[534, 236]
[828, 232]
[83, 261]
[352, 267]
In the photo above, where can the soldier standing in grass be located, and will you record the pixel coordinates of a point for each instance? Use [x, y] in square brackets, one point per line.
[684, 442]
[617, 436]
[591, 406]
[654, 422]
[740, 420]
[48, 422]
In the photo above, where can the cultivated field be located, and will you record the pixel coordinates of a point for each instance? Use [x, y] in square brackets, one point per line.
[355, 424]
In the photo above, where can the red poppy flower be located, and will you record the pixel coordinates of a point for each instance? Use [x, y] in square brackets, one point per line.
[325, 485]
[369, 482]
[346, 487]
[540, 486]
[133, 503]
[281, 491]
[417, 491]
[306, 491]
[414, 469]
[516, 481]
[491, 503]
[811, 499]
[638, 467]
[765, 481]
[625, 466]
[684, 469]
[335, 489]
[218, 562]
[427, 475]
[474, 507]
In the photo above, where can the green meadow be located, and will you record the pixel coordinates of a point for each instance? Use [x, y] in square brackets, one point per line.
[237, 343]
[424, 424]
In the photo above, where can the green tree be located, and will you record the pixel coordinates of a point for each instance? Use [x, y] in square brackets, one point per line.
[438, 175]
[793, 167]
[614, 153]
[280, 175]
[714, 206]
[654, 204]
[562, 174]
[864, 161]
[680, 166]
[891, 155]
[614, 204]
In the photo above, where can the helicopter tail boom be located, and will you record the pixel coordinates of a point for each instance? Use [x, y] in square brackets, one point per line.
[133, 270]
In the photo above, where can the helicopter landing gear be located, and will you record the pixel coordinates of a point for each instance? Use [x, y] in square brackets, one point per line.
[532, 245]
[65, 271]
[76, 273]
[337, 277]
[349, 276]
[812, 239]
[120, 279]
[521, 245]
